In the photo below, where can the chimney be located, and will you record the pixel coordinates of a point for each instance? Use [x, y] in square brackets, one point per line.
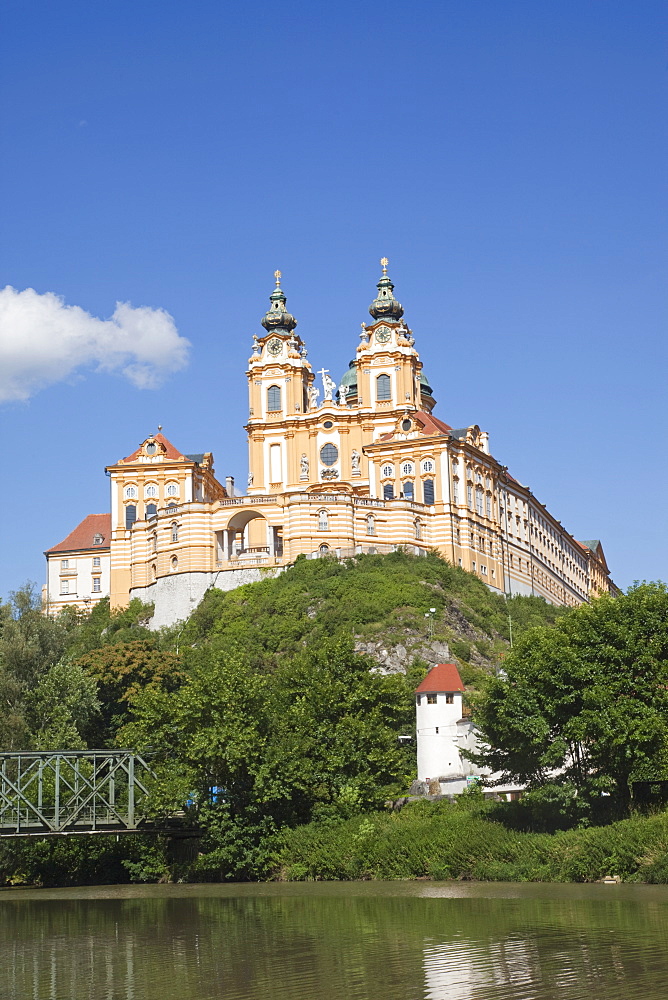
[229, 485]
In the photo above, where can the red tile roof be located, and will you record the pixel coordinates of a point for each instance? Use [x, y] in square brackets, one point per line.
[431, 425]
[84, 533]
[428, 425]
[442, 677]
[170, 450]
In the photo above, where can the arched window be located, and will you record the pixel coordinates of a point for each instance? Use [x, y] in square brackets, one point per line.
[151, 510]
[323, 520]
[383, 387]
[130, 515]
[274, 397]
[388, 491]
[172, 506]
[387, 471]
[408, 490]
[370, 524]
[324, 549]
[154, 542]
[172, 489]
[407, 469]
[417, 524]
[130, 492]
[150, 491]
[428, 490]
[329, 454]
[174, 562]
[175, 532]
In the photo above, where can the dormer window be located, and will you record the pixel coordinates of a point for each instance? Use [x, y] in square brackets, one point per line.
[98, 539]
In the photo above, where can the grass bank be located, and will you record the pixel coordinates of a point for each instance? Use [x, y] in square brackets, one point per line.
[449, 841]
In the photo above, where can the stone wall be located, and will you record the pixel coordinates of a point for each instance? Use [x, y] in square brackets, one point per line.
[176, 597]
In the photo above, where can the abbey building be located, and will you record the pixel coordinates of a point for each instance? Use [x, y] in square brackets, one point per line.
[340, 467]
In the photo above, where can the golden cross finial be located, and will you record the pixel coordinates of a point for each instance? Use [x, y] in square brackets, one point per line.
[383, 263]
[278, 276]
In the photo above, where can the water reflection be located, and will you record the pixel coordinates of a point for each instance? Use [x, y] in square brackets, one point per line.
[391, 940]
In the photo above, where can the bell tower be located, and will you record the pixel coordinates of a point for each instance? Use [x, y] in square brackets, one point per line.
[279, 377]
[386, 375]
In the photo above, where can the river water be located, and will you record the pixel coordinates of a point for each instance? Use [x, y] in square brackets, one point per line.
[370, 940]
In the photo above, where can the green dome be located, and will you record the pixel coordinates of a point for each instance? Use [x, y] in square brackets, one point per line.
[349, 380]
[350, 377]
[424, 385]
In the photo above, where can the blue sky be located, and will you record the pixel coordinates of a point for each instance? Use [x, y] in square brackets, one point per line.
[508, 157]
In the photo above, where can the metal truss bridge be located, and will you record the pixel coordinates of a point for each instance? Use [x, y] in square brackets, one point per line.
[77, 792]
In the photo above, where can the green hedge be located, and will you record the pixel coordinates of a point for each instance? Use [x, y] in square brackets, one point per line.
[442, 841]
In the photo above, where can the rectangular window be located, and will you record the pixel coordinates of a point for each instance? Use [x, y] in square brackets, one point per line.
[449, 699]
[473, 565]
[388, 491]
[383, 387]
[275, 463]
[455, 492]
[431, 699]
[64, 564]
[64, 586]
[96, 585]
[488, 506]
[469, 495]
[428, 491]
[96, 560]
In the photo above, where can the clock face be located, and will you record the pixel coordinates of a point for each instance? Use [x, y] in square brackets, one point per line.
[383, 335]
[275, 346]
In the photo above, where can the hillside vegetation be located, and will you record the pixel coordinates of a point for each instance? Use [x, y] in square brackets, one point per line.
[369, 598]
[262, 693]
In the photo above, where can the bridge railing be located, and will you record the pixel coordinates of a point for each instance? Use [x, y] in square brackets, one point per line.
[79, 791]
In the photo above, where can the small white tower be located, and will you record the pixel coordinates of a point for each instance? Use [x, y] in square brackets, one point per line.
[438, 705]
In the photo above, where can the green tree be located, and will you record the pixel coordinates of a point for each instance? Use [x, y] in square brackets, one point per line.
[30, 643]
[587, 698]
[317, 736]
[121, 671]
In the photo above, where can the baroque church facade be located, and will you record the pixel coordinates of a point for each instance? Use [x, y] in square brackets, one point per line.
[339, 469]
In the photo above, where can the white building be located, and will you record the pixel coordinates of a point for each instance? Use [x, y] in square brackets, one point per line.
[443, 731]
[78, 568]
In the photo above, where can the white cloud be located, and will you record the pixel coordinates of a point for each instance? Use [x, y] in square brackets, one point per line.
[43, 340]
